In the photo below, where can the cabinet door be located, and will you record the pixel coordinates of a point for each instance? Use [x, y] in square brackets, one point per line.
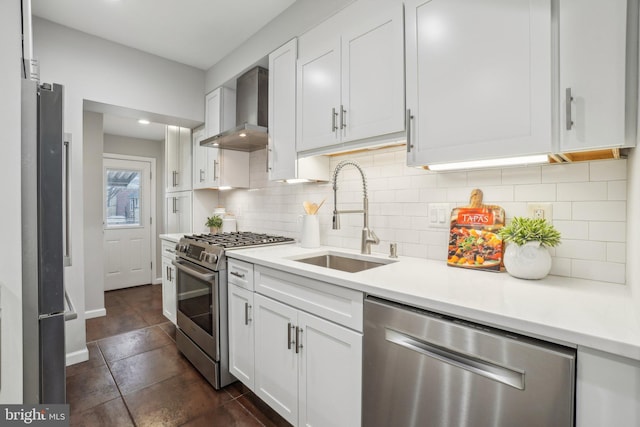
[184, 165]
[478, 79]
[172, 157]
[592, 68]
[201, 172]
[241, 345]
[281, 150]
[373, 75]
[178, 212]
[168, 289]
[276, 367]
[318, 94]
[330, 373]
[220, 111]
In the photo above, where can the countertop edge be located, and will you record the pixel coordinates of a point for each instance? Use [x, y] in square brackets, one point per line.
[540, 328]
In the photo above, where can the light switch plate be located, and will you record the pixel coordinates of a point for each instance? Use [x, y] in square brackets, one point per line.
[540, 210]
[439, 214]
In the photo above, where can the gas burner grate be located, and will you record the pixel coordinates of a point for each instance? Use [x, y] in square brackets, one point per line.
[239, 239]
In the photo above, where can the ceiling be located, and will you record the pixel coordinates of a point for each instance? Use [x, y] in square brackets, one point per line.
[198, 33]
[193, 32]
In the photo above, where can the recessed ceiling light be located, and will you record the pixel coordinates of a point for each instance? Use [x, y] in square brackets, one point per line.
[144, 122]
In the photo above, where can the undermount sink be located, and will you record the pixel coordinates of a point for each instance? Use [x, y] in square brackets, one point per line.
[344, 262]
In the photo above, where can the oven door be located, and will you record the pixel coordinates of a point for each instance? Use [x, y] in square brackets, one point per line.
[198, 292]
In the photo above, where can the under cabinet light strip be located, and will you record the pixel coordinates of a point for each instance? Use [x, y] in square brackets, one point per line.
[491, 163]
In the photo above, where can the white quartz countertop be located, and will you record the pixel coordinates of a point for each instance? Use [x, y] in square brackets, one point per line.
[574, 312]
[171, 237]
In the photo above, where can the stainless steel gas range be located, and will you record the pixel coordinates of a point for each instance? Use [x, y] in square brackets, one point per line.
[201, 283]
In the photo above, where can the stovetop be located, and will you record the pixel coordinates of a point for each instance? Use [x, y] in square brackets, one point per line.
[239, 239]
[207, 250]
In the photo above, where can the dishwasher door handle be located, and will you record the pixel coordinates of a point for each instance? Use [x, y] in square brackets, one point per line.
[476, 365]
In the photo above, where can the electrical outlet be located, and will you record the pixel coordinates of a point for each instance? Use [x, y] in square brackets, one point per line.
[540, 210]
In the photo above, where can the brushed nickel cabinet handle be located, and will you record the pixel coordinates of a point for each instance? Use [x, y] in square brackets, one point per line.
[298, 339]
[408, 119]
[343, 117]
[289, 327]
[246, 313]
[567, 108]
[235, 273]
[334, 116]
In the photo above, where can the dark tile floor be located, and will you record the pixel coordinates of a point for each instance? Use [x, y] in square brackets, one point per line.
[135, 376]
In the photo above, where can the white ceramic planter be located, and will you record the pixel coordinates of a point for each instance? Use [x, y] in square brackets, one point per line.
[529, 261]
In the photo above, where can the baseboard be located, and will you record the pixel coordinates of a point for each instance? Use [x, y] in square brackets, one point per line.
[77, 356]
[92, 314]
[157, 281]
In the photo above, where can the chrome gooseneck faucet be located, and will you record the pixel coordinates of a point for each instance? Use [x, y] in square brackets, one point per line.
[368, 236]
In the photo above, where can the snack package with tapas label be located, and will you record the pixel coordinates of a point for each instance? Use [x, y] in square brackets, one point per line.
[473, 239]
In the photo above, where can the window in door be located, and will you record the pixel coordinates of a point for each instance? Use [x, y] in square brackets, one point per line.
[122, 198]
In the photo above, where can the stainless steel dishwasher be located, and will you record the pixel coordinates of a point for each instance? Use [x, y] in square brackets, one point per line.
[425, 369]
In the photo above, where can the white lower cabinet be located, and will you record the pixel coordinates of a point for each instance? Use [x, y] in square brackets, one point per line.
[241, 335]
[306, 368]
[168, 281]
[297, 343]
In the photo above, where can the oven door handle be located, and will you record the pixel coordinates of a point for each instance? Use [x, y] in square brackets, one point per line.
[207, 277]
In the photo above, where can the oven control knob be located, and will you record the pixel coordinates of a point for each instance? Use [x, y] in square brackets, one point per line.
[212, 258]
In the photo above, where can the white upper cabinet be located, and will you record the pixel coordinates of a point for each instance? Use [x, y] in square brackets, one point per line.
[350, 77]
[283, 163]
[177, 159]
[478, 79]
[598, 74]
[220, 111]
[214, 168]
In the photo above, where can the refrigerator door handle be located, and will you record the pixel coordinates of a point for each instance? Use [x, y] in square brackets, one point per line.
[72, 313]
[65, 205]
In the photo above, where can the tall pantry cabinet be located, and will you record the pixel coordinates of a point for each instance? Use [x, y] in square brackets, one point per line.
[178, 180]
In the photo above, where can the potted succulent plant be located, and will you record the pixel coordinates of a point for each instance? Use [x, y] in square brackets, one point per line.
[214, 223]
[527, 254]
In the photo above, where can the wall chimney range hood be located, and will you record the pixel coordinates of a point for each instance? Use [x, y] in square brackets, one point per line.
[250, 134]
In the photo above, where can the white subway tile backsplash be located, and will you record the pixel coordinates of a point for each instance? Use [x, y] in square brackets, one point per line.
[608, 231]
[582, 191]
[588, 199]
[535, 193]
[617, 190]
[603, 271]
[561, 210]
[582, 249]
[572, 229]
[599, 211]
[522, 175]
[485, 177]
[565, 172]
[608, 170]
[451, 179]
[616, 252]
[561, 266]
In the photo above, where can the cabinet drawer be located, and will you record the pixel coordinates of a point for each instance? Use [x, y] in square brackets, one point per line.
[240, 273]
[168, 249]
[331, 302]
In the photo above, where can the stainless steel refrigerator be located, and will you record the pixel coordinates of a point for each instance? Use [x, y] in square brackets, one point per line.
[43, 234]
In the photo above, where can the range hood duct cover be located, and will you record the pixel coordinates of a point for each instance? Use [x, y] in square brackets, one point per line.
[252, 114]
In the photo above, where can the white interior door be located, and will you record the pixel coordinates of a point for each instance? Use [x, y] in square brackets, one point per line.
[127, 230]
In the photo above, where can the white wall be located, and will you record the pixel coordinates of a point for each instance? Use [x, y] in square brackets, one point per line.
[10, 250]
[117, 144]
[97, 70]
[294, 21]
[92, 140]
[589, 206]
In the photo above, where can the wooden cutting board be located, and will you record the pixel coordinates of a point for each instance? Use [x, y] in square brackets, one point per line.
[473, 239]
